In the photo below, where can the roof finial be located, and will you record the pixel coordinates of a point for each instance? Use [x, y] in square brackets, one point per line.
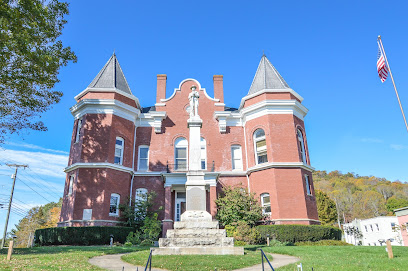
[263, 53]
[114, 52]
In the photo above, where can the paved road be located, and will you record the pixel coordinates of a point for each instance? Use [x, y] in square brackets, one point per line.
[114, 262]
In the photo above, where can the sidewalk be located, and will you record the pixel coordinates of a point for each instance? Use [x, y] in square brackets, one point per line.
[113, 262]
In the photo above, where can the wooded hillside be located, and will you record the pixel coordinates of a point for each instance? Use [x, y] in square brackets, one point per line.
[361, 196]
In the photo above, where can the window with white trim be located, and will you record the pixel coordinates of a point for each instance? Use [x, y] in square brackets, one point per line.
[308, 187]
[260, 146]
[203, 153]
[119, 146]
[180, 153]
[71, 184]
[78, 131]
[114, 204]
[141, 194]
[236, 153]
[143, 163]
[266, 204]
[301, 145]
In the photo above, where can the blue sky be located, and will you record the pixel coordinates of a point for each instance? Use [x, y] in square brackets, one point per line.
[325, 50]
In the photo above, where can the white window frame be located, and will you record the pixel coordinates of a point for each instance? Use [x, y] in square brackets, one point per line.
[117, 205]
[147, 158]
[180, 143]
[265, 205]
[138, 194]
[236, 165]
[302, 146]
[78, 131]
[71, 185]
[308, 186]
[121, 148]
[203, 149]
[256, 140]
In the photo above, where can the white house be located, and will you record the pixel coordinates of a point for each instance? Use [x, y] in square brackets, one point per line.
[373, 231]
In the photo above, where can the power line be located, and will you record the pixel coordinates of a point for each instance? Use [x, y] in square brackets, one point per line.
[34, 190]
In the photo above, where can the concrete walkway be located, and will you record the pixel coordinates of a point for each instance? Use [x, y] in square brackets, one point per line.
[114, 262]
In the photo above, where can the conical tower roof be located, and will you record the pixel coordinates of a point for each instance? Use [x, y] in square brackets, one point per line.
[266, 77]
[111, 76]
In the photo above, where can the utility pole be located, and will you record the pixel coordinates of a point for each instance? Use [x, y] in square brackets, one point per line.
[14, 176]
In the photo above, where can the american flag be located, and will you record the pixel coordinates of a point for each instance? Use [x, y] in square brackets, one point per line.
[381, 66]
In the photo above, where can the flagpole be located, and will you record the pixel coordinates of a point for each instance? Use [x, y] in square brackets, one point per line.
[392, 78]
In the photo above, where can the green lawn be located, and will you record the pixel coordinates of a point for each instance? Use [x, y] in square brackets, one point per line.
[57, 258]
[344, 258]
[196, 262]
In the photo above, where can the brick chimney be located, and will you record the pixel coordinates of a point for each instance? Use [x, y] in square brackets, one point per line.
[218, 88]
[161, 87]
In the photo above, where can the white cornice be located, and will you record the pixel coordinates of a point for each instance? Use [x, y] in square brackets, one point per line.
[152, 119]
[98, 165]
[289, 90]
[267, 107]
[100, 106]
[130, 96]
[280, 165]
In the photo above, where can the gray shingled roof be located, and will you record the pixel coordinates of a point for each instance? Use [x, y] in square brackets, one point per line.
[266, 77]
[111, 76]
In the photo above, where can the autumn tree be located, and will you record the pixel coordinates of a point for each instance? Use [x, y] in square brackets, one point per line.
[395, 203]
[326, 208]
[30, 58]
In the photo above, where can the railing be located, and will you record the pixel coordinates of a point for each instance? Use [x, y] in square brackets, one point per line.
[149, 262]
[181, 167]
[264, 256]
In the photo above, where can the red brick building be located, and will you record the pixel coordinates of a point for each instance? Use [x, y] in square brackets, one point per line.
[120, 149]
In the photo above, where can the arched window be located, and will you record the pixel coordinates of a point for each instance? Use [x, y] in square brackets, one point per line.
[266, 204]
[180, 153]
[119, 146]
[143, 163]
[236, 153]
[260, 146]
[114, 204]
[203, 153]
[301, 146]
[141, 194]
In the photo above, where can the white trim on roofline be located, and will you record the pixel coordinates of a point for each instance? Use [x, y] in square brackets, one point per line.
[116, 90]
[101, 106]
[291, 91]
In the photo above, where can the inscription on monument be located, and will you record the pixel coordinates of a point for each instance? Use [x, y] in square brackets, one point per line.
[196, 199]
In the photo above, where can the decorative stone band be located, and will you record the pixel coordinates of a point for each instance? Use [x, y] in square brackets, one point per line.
[98, 165]
[280, 165]
[130, 96]
[183, 174]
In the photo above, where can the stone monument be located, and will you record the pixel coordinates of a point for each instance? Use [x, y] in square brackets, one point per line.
[197, 232]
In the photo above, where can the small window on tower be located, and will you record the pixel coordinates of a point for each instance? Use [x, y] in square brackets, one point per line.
[71, 184]
[301, 146]
[260, 146]
[78, 131]
[266, 204]
[119, 146]
[308, 186]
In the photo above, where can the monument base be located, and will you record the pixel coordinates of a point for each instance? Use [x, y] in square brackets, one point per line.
[197, 234]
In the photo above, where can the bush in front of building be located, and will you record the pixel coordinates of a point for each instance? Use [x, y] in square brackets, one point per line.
[81, 236]
[243, 233]
[298, 233]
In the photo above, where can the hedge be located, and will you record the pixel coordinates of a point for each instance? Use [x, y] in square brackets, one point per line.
[83, 236]
[299, 233]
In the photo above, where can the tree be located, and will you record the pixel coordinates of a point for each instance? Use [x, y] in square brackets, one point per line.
[30, 59]
[395, 203]
[237, 204]
[326, 208]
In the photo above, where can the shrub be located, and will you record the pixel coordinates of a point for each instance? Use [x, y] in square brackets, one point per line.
[128, 244]
[146, 243]
[133, 238]
[299, 233]
[323, 243]
[81, 236]
[239, 243]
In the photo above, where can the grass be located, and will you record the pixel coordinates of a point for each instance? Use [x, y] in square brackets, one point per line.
[196, 262]
[57, 258]
[344, 258]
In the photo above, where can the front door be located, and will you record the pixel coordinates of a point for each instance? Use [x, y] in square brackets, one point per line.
[180, 203]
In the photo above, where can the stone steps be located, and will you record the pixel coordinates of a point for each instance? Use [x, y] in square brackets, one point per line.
[193, 233]
[197, 242]
[196, 225]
